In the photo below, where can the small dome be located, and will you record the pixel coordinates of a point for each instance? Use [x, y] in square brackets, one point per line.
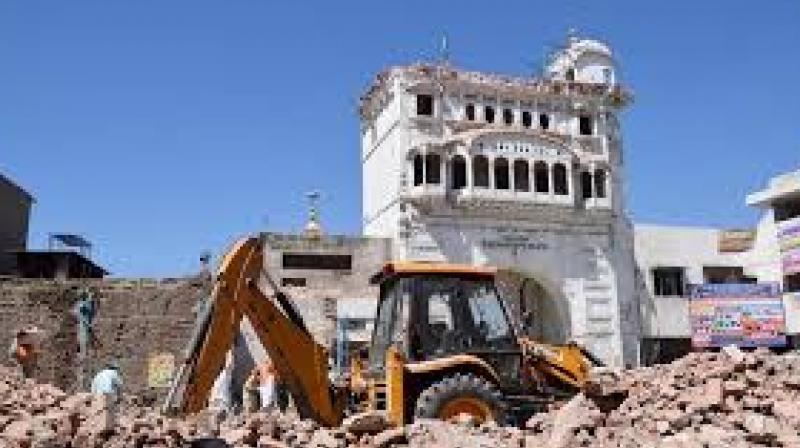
[583, 60]
[581, 46]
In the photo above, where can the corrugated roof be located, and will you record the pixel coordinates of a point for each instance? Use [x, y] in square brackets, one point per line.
[71, 239]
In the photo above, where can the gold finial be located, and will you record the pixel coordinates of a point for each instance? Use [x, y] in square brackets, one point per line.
[313, 227]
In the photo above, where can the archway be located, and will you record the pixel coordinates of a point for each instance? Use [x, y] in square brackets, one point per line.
[537, 309]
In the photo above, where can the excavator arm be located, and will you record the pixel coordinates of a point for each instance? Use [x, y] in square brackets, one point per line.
[300, 362]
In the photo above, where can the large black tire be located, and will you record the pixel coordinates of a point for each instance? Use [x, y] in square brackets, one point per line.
[462, 392]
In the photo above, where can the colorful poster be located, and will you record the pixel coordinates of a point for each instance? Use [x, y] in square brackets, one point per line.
[746, 315]
[160, 368]
[789, 242]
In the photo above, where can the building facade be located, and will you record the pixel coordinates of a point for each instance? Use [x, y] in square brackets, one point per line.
[326, 276]
[15, 211]
[670, 258]
[519, 173]
[780, 201]
[780, 256]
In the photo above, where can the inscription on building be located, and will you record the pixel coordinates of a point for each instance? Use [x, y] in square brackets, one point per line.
[516, 241]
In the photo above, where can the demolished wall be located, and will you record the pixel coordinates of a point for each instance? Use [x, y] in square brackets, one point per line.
[136, 320]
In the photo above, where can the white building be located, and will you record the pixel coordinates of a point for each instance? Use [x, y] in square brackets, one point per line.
[669, 258]
[779, 256]
[781, 202]
[519, 173]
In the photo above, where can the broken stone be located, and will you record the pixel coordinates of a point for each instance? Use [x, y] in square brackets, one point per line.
[736, 355]
[389, 437]
[324, 438]
[239, 436]
[370, 422]
[734, 388]
[266, 442]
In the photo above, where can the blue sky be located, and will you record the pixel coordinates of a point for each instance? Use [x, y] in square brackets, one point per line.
[162, 128]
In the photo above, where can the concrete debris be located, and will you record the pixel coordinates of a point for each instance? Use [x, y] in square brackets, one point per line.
[727, 399]
[366, 423]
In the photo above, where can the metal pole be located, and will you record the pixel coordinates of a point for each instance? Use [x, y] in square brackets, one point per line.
[339, 345]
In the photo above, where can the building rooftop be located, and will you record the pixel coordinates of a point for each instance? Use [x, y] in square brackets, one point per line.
[779, 188]
[6, 180]
[298, 241]
[56, 264]
[503, 84]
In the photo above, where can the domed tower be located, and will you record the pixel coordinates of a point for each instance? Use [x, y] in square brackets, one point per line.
[516, 172]
[588, 63]
[584, 61]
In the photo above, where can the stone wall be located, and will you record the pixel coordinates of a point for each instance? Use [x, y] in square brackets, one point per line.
[136, 319]
[46, 306]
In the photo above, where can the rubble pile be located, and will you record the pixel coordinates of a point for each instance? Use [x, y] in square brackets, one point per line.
[730, 399]
[726, 399]
[42, 416]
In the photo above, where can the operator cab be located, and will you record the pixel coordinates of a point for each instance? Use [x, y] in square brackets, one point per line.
[435, 310]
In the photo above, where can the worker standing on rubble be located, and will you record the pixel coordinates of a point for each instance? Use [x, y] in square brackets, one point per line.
[107, 386]
[280, 392]
[24, 352]
[268, 382]
[251, 401]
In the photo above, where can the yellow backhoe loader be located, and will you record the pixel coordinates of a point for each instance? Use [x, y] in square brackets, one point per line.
[442, 345]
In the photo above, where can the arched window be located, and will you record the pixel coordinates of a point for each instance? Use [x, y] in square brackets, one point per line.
[600, 183]
[480, 172]
[560, 179]
[544, 121]
[526, 118]
[459, 167]
[433, 171]
[418, 170]
[508, 116]
[470, 112]
[501, 174]
[541, 177]
[521, 176]
[585, 125]
[586, 184]
[425, 105]
[488, 114]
